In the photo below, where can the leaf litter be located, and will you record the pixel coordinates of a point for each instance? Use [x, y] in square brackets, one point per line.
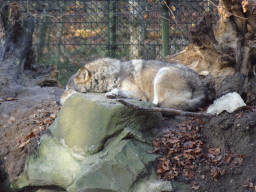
[183, 150]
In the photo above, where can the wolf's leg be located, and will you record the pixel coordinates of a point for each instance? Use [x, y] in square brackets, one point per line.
[170, 89]
[118, 93]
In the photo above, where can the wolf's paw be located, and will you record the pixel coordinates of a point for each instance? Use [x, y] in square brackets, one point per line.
[111, 95]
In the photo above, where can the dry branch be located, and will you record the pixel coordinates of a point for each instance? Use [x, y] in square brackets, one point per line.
[166, 110]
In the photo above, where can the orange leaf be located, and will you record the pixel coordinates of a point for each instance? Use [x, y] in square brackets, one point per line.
[32, 134]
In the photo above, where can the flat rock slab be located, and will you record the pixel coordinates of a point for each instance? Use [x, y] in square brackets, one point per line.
[86, 121]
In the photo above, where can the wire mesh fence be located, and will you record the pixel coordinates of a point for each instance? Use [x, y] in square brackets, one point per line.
[69, 31]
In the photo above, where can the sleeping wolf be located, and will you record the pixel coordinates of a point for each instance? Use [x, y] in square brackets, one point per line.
[166, 85]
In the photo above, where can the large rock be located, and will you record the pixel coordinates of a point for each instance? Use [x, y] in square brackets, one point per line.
[95, 144]
[229, 102]
[86, 121]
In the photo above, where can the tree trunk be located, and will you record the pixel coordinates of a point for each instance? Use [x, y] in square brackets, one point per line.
[16, 51]
[18, 36]
[136, 29]
[225, 51]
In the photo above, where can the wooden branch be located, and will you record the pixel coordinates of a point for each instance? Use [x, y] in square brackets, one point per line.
[166, 110]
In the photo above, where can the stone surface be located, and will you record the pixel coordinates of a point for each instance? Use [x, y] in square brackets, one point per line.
[229, 102]
[119, 162]
[86, 121]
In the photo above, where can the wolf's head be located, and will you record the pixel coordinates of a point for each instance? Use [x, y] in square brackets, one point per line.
[76, 83]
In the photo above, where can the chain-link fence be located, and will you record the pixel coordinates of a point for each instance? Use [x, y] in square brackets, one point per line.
[71, 32]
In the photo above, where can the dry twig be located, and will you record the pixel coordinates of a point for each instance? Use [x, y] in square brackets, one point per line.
[166, 110]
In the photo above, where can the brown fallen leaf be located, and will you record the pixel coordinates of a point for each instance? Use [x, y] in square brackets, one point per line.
[227, 158]
[48, 121]
[217, 159]
[53, 116]
[237, 161]
[156, 149]
[30, 135]
[24, 143]
[196, 186]
[216, 172]
[12, 119]
[214, 151]
[189, 175]
[156, 143]
[146, 15]
[11, 99]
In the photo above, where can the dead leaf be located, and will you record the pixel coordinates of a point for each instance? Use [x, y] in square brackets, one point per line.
[156, 144]
[53, 116]
[237, 161]
[196, 186]
[30, 135]
[250, 185]
[227, 158]
[214, 151]
[217, 159]
[172, 141]
[177, 158]
[210, 156]
[47, 121]
[24, 143]
[197, 150]
[36, 121]
[12, 119]
[214, 172]
[146, 15]
[11, 99]
[189, 174]
[156, 149]
[239, 116]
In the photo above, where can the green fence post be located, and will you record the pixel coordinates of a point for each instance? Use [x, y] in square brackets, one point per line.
[165, 28]
[111, 44]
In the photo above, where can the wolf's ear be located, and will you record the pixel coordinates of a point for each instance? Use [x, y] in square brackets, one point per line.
[82, 76]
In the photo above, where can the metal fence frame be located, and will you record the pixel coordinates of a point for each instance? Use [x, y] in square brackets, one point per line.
[72, 32]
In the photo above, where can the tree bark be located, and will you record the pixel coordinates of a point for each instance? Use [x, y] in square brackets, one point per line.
[18, 36]
[227, 50]
[16, 51]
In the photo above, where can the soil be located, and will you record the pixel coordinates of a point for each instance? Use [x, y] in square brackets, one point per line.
[26, 116]
[227, 159]
[23, 119]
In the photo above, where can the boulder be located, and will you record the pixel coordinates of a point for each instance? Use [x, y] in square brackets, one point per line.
[95, 144]
[86, 121]
[229, 102]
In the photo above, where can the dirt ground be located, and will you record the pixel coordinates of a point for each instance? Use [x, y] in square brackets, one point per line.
[224, 161]
[222, 157]
[23, 120]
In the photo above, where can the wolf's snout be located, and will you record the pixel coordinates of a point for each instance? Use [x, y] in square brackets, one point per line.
[66, 95]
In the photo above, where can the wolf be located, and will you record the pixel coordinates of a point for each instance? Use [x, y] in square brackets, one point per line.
[166, 85]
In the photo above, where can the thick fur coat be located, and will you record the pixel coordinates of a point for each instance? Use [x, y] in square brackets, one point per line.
[166, 85]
